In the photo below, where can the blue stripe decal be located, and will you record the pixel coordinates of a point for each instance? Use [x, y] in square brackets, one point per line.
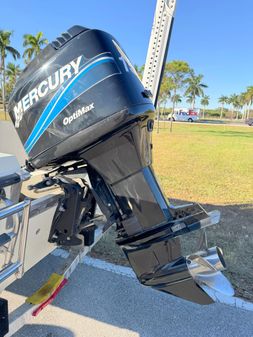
[63, 98]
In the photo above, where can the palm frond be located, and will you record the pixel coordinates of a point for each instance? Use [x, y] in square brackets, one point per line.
[33, 44]
[14, 52]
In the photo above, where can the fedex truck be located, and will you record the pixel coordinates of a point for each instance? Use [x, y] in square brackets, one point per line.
[185, 115]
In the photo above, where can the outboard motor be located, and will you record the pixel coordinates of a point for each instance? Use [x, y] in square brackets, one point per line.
[81, 105]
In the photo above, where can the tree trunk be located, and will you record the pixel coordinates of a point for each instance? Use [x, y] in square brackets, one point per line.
[173, 110]
[203, 112]
[221, 112]
[193, 103]
[243, 112]
[232, 113]
[248, 115]
[247, 111]
[158, 117]
[171, 119]
[164, 114]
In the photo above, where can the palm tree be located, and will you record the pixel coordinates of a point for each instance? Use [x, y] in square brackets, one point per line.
[189, 100]
[33, 44]
[244, 103]
[233, 100]
[205, 103]
[12, 72]
[249, 99]
[222, 100]
[5, 48]
[176, 99]
[239, 105]
[194, 87]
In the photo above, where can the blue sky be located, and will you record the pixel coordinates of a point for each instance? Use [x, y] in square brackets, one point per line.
[214, 37]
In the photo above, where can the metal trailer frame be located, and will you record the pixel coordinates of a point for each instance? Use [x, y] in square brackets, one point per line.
[24, 314]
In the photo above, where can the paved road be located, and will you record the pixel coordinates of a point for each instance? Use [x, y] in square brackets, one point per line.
[209, 122]
[98, 303]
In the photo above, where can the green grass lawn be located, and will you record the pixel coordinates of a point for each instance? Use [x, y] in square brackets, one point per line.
[207, 164]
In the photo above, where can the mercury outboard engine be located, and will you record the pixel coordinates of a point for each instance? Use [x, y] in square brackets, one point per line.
[80, 104]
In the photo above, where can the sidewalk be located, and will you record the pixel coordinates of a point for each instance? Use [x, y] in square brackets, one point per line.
[99, 303]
